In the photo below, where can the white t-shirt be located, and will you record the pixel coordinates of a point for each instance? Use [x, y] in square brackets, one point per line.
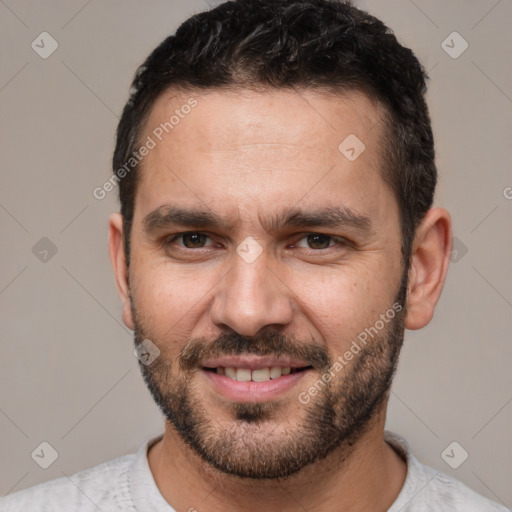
[127, 484]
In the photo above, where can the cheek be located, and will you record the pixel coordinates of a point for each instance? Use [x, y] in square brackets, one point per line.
[337, 309]
[165, 297]
[341, 305]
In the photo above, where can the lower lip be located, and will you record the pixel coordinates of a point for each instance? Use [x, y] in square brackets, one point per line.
[253, 391]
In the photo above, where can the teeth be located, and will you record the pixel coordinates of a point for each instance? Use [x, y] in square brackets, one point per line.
[260, 375]
[230, 372]
[243, 375]
[275, 372]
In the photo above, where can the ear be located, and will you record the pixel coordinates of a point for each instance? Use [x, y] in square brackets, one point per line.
[118, 260]
[429, 263]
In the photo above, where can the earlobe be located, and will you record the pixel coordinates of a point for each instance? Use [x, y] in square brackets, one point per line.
[429, 263]
[118, 260]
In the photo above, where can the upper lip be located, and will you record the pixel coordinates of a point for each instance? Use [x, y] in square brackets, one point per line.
[253, 362]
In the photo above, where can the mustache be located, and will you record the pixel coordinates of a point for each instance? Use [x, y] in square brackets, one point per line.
[199, 350]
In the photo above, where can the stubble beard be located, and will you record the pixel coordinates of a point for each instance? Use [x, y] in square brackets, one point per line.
[253, 443]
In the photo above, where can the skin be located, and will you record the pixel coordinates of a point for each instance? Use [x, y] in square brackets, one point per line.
[246, 155]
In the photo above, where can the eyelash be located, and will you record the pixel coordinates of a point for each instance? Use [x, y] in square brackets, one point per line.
[340, 240]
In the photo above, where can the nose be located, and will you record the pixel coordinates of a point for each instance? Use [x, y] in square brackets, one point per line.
[251, 297]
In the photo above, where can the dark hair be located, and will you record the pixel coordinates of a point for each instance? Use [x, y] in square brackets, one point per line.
[326, 45]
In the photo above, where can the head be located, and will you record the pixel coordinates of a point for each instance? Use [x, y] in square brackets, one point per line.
[291, 142]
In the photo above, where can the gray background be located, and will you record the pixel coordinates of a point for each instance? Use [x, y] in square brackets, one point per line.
[68, 373]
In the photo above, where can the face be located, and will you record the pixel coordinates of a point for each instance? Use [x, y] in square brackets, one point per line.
[266, 268]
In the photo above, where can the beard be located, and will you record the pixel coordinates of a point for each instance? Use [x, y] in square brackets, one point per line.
[259, 441]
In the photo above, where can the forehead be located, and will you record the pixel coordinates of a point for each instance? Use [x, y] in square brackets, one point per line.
[224, 118]
[259, 150]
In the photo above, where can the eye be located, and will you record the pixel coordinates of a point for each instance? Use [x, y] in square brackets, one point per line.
[313, 241]
[319, 241]
[191, 239]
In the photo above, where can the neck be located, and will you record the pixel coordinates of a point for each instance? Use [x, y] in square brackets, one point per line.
[369, 478]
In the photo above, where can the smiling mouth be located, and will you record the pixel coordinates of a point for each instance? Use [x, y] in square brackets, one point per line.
[257, 375]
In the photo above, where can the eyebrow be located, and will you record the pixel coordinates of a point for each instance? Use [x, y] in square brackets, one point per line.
[167, 216]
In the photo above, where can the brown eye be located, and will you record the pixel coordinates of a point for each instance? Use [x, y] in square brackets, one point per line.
[319, 241]
[195, 239]
[191, 240]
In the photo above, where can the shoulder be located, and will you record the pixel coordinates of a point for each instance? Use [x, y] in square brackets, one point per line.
[426, 489]
[86, 490]
[451, 494]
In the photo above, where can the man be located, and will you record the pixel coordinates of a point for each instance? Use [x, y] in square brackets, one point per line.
[276, 171]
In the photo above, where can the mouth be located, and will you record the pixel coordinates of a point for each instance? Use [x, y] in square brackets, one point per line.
[253, 378]
[258, 375]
